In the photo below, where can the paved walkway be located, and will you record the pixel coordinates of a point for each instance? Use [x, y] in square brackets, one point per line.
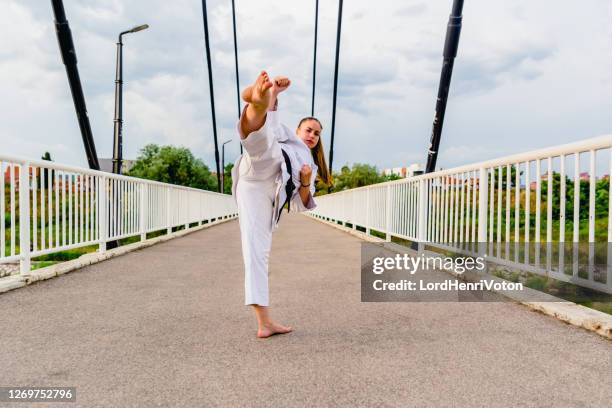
[166, 326]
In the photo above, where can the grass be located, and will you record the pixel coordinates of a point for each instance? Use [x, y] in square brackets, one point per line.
[74, 253]
[564, 290]
[41, 264]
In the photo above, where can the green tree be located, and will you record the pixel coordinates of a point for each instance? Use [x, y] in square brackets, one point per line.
[602, 188]
[174, 165]
[390, 177]
[602, 193]
[227, 178]
[505, 177]
[358, 176]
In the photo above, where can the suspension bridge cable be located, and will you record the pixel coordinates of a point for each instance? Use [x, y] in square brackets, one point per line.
[212, 95]
[236, 59]
[66, 45]
[314, 64]
[331, 147]
[451, 45]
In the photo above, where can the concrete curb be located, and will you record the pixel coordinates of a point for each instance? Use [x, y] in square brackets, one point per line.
[11, 282]
[358, 234]
[568, 312]
[18, 281]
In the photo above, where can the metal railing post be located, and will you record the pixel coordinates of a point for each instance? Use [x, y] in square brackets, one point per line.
[188, 201]
[388, 215]
[483, 191]
[143, 190]
[367, 211]
[102, 221]
[344, 216]
[609, 260]
[354, 220]
[422, 214]
[24, 219]
[168, 221]
[200, 211]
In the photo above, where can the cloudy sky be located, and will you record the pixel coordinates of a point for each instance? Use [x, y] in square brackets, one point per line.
[529, 74]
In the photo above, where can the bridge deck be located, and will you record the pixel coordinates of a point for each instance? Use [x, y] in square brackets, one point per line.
[166, 326]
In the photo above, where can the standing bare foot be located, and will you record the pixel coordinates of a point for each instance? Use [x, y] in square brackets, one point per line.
[272, 328]
[258, 94]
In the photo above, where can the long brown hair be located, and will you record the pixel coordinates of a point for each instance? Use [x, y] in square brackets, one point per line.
[318, 155]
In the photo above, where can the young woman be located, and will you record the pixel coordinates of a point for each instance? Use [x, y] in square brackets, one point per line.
[274, 160]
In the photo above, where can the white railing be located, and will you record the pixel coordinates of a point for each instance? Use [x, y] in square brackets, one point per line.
[488, 208]
[49, 208]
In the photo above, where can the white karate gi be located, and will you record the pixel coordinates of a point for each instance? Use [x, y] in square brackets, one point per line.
[259, 177]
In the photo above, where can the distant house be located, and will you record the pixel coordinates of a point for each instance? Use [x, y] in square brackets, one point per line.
[39, 176]
[584, 176]
[409, 171]
[7, 174]
[107, 165]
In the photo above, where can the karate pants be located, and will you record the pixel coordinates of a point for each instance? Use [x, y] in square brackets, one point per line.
[255, 201]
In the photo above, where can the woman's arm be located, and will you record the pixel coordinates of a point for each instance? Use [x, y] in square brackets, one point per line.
[305, 194]
[305, 186]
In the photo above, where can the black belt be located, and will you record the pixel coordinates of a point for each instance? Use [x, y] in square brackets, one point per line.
[289, 187]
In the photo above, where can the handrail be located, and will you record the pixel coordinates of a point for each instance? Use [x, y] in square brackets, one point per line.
[586, 145]
[483, 207]
[49, 207]
[82, 170]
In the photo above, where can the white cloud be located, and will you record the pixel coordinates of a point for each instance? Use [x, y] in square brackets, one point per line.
[524, 78]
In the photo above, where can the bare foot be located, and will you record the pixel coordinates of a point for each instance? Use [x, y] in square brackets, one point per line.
[271, 329]
[258, 94]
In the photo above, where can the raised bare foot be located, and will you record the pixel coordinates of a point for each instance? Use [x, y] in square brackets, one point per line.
[258, 94]
[272, 328]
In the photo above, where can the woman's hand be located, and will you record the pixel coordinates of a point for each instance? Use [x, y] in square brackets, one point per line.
[304, 190]
[280, 84]
[305, 174]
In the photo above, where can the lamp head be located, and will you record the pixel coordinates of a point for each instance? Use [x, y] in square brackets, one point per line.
[139, 28]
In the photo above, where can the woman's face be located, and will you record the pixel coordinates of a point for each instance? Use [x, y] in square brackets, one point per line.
[309, 132]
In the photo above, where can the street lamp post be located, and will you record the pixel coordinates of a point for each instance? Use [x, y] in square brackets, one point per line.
[117, 135]
[223, 165]
[118, 122]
